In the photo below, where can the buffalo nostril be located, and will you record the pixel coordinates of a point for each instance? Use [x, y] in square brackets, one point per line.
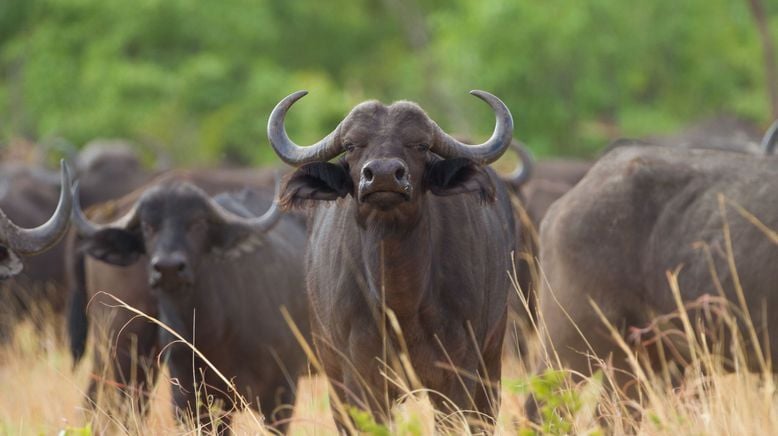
[367, 173]
[399, 174]
[169, 266]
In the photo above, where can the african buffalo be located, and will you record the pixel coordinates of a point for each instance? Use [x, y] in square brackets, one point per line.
[417, 226]
[16, 241]
[108, 169]
[29, 193]
[219, 276]
[552, 178]
[642, 211]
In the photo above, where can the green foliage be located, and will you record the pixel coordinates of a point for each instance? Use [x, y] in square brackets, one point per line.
[559, 401]
[365, 423]
[76, 431]
[198, 79]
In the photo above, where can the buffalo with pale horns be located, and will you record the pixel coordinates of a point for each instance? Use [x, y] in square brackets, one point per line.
[419, 230]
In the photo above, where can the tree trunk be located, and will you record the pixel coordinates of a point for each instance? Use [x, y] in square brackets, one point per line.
[768, 52]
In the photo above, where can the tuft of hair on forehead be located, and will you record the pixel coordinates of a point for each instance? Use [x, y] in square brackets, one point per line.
[366, 112]
[406, 105]
[404, 111]
[399, 112]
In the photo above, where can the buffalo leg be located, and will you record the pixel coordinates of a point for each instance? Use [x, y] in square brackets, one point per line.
[132, 366]
[346, 387]
[487, 395]
[193, 398]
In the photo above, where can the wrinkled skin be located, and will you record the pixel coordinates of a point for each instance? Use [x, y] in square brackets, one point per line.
[428, 237]
[642, 211]
[211, 283]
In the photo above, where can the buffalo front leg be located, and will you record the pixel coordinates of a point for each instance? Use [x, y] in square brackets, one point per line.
[471, 396]
[348, 394]
[198, 399]
[487, 397]
[127, 371]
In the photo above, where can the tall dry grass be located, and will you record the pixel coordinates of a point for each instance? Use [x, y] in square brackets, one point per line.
[725, 386]
[40, 393]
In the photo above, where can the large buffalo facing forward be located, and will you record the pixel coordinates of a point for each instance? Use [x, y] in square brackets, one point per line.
[414, 225]
[642, 211]
[219, 276]
[16, 241]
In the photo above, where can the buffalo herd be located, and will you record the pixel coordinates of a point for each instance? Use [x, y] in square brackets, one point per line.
[385, 260]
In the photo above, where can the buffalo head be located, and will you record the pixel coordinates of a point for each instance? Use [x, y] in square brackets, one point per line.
[15, 241]
[393, 155]
[175, 225]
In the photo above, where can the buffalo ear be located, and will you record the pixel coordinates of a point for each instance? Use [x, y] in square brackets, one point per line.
[458, 176]
[316, 181]
[10, 264]
[115, 246]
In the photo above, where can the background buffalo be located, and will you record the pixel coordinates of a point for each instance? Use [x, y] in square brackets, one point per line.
[216, 272]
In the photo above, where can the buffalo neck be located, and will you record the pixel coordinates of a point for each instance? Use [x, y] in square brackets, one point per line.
[398, 266]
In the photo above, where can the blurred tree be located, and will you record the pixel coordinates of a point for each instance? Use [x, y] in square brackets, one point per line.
[768, 50]
[198, 79]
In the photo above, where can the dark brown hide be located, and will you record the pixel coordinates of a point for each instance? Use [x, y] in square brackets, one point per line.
[551, 178]
[28, 195]
[407, 231]
[642, 211]
[226, 298]
[28, 227]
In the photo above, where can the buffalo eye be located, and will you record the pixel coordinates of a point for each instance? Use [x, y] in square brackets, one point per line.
[422, 147]
[197, 225]
[349, 146]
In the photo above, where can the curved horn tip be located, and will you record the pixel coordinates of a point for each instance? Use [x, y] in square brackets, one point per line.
[293, 97]
[493, 101]
[66, 174]
[279, 111]
[287, 102]
[483, 95]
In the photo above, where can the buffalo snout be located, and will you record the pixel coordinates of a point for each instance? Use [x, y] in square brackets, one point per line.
[170, 269]
[384, 182]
